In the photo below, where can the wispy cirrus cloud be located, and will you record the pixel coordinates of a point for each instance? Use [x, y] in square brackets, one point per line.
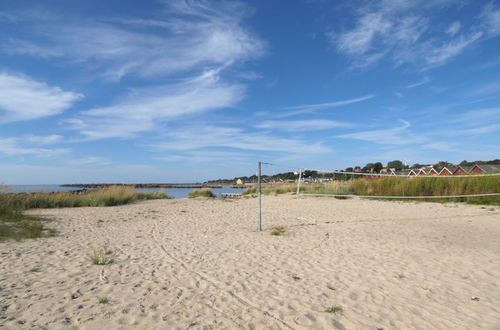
[43, 139]
[401, 31]
[423, 81]
[16, 147]
[190, 35]
[396, 135]
[309, 108]
[148, 109]
[302, 125]
[22, 98]
[188, 138]
[491, 19]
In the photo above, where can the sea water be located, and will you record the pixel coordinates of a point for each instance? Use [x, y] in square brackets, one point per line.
[172, 192]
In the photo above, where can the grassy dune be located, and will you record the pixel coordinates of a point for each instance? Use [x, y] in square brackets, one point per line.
[204, 192]
[17, 225]
[402, 187]
[432, 187]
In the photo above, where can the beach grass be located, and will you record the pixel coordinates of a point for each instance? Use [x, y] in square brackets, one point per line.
[432, 187]
[334, 310]
[17, 225]
[204, 192]
[396, 186]
[278, 231]
[101, 255]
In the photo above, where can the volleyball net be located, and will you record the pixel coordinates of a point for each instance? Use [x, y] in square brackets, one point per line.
[344, 184]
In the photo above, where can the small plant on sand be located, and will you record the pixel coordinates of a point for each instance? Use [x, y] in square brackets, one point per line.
[103, 300]
[101, 255]
[334, 310]
[204, 192]
[51, 232]
[278, 231]
[34, 270]
[329, 286]
[100, 221]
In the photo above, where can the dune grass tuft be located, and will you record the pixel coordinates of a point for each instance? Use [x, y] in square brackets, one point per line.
[103, 300]
[101, 255]
[278, 231]
[204, 192]
[335, 310]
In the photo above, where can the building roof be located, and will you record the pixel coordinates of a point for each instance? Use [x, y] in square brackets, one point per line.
[489, 168]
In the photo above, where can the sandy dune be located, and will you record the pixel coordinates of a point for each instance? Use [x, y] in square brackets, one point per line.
[201, 264]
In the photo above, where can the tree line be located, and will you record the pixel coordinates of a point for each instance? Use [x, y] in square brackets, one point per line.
[398, 165]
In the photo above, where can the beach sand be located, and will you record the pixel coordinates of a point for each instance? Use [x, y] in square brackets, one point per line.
[202, 264]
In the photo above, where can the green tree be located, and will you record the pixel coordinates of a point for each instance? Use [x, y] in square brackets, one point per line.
[396, 164]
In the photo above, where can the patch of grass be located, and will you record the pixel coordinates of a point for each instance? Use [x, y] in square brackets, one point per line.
[335, 310]
[204, 192]
[296, 277]
[278, 231]
[103, 300]
[51, 232]
[34, 270]
[100, 221]
[101, 255]
[329, 286]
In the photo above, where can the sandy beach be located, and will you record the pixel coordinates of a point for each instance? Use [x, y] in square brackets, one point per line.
[202, 264]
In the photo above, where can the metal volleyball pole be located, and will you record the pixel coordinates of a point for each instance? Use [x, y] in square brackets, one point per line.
[298, 182]
[260, 195]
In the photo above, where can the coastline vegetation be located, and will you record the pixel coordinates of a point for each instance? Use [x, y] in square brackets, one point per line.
[14, 223]
[395, 186]
[204, 192]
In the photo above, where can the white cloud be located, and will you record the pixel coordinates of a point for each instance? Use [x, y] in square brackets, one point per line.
[90, 160]
[207, 136]
[22, 98]
[400, 30]
[454, 28]
[491, 19]
[440, 54]
[486, 89]
[148, 109]
[191, 35]
[13, 147]
[308, 108]
[424, 81]
[47, 139]
[397, 135]
[479, 116]
[302, 125]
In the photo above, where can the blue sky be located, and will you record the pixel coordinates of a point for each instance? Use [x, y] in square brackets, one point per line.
[172, 91]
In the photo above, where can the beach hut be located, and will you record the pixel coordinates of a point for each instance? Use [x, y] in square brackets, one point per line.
[460, 171]
[433, 171]
[479, 169]
[446, 171]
